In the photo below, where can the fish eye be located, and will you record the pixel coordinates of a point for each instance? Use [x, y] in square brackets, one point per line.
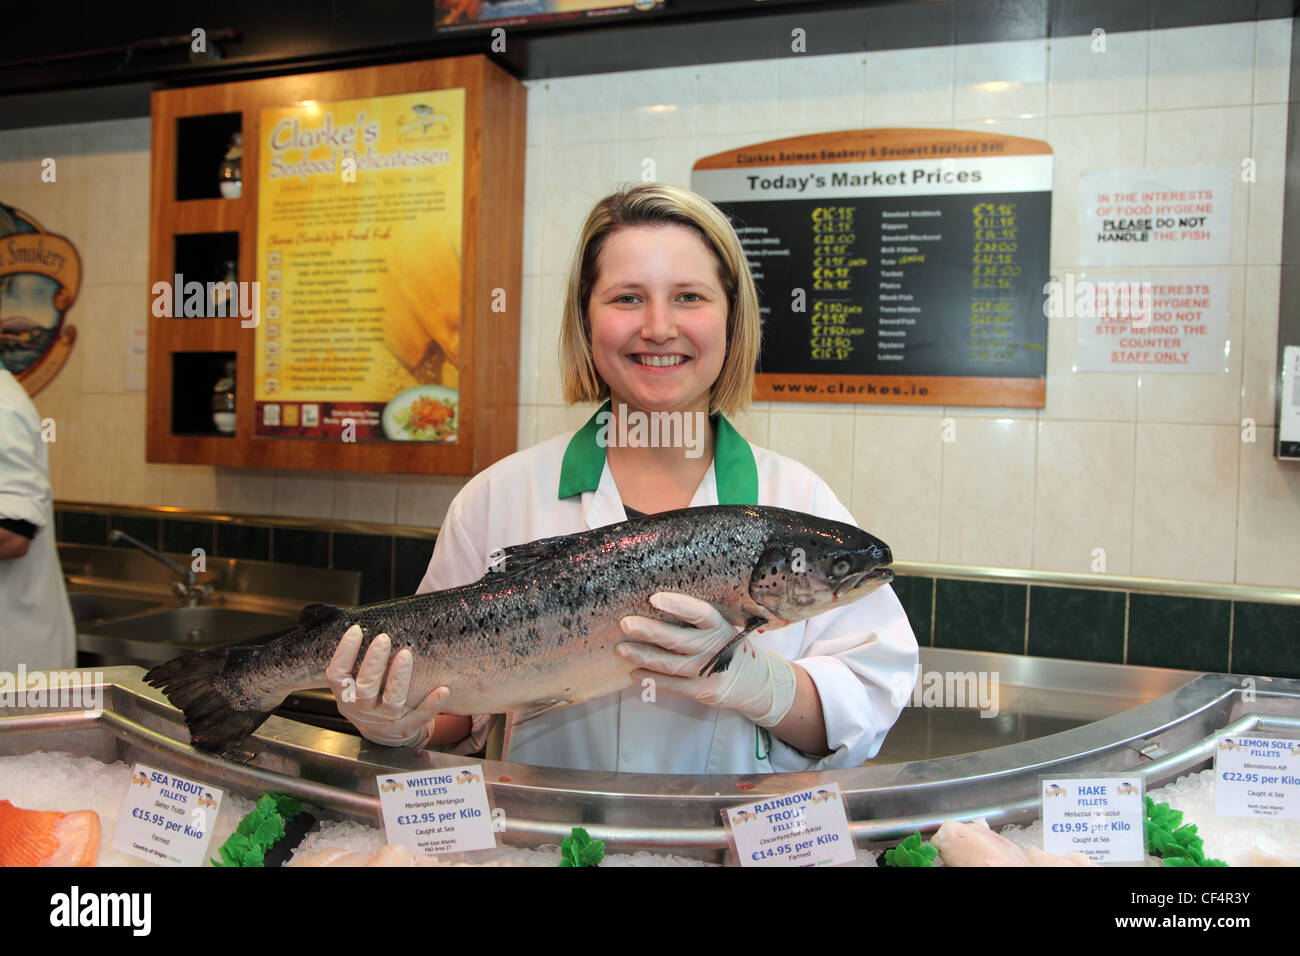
[841, 567]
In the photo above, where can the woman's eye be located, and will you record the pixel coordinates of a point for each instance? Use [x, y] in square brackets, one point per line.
[692, 296]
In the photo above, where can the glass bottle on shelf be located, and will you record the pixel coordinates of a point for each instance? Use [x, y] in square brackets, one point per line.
[230, 178]
[224, 297]
[223, 401]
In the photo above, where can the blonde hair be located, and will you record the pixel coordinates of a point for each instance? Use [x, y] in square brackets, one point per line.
[661, 204]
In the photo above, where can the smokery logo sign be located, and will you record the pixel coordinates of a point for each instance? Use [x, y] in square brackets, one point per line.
[40, 275]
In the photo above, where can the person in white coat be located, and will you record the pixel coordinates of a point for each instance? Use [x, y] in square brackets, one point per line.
[36, 629]
[661, 316]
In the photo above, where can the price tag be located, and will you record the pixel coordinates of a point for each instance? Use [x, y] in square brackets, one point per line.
[167, 819]
[807, 828]
[1101, 817]
[1257, 777]
[437, 811]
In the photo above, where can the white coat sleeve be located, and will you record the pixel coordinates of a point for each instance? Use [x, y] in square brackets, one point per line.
[24, 485]
[457, 561]
[863, 658]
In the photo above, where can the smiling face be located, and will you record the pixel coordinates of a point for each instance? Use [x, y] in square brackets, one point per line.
[658, 318]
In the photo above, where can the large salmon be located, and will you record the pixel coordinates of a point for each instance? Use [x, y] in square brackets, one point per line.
[539, 631]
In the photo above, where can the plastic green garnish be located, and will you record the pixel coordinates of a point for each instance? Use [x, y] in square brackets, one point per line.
[258, 831]
[911, 852]
[1177, 845]
[579, 849]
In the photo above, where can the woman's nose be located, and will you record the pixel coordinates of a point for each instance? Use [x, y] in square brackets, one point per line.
[658, 321]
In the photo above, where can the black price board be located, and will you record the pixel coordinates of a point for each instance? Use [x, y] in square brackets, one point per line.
[901, 266]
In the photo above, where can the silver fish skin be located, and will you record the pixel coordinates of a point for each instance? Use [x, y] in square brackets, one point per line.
[540, 631]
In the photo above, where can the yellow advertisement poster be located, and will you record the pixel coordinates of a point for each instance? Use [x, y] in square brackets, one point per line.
[358, 265]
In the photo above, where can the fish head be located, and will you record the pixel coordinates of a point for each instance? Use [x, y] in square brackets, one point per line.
[812, 566]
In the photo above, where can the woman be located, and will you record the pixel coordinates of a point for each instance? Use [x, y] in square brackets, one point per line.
[661, 315]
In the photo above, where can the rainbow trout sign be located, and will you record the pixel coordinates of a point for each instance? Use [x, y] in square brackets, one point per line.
[40, 275]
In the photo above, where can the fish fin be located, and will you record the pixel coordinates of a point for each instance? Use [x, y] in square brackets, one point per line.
[538, 707]
[720, 661]
[315, 613]
[189, 682]
[520, 557]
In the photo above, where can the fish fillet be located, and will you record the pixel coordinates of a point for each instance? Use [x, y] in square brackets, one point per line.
[974, 844]
[47, 837]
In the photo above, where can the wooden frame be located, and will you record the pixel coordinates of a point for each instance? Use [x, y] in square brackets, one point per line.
[492, 235]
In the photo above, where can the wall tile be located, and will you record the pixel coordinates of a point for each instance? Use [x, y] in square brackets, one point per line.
[182, 537]
[1268, 149]
[917, 597]
[1186, 479]
[83, 527]
[1000, 79]
[1272, 61]
[1085, 79]
[817, 440]
[411, 557]
[987, 495]
[372, 555]
[980, 616]
[293, 546]
[897, 470]
[360, 497]
[242, 541]
[1264, 639]
[1201, 66]
[1268, 547]
[1077, 624]
[1185, 633]
[1084, 496]
[904, 87]
[1259, 361]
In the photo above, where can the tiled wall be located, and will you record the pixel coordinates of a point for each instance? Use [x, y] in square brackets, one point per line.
[1113, 627]
[390, 565]
[1115, 461]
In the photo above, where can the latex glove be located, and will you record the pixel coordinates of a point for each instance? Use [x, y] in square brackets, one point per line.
[758, 684]
[389, 720]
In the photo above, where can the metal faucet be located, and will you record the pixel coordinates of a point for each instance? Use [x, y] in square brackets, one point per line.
[191, 592]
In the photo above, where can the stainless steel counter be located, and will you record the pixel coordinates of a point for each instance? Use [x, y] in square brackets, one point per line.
[1169, 730]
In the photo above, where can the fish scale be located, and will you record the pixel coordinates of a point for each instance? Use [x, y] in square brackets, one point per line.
[540, 632]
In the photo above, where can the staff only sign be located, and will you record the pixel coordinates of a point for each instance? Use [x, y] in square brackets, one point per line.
[40, 275]
[1177, 322]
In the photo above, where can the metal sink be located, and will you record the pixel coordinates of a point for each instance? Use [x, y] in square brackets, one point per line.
[126, 612]
[89, 606]
[200, 626]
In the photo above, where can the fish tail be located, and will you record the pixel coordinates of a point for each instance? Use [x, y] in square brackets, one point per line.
[216, 723]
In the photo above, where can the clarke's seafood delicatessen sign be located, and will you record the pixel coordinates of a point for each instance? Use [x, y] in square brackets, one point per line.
[358, 264]
[900, 266]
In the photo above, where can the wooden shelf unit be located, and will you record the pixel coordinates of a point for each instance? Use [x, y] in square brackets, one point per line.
[492, 235]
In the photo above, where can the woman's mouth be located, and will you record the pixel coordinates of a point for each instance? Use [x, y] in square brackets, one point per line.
[658, 361]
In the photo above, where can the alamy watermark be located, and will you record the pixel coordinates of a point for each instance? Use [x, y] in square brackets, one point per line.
[966, 689]
[71, 689]
[197, 300]
[1085, 299]
[637, 429]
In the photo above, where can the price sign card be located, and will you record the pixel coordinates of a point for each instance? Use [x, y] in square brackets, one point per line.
[807, 828]
[437, 811]
[1257, 777]
[1101, 817]
[167, 819]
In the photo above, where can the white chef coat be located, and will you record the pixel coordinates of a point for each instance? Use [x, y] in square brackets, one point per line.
[862, 657]
[36, 628]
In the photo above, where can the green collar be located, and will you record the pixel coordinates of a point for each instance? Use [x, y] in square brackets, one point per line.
[733, 462]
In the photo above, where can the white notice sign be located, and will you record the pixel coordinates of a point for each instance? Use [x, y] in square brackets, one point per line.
[1156, 217]
[1130, 323]
[1257, 777]
[437, 811]
[166, 819]
[1101, 817]
[807, 828]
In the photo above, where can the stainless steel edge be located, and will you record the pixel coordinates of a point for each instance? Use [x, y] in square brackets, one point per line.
[682, 813]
